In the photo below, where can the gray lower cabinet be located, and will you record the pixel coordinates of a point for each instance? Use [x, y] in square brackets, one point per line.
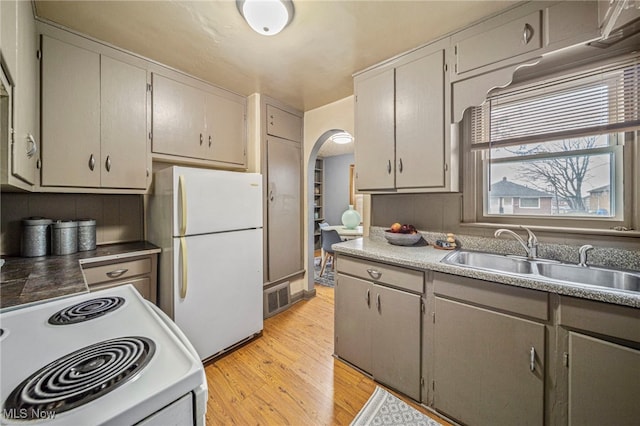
[488, 359]
[601, 354]
[377, 327]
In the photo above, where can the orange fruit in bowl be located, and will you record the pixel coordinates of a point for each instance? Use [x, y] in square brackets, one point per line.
[396, 227]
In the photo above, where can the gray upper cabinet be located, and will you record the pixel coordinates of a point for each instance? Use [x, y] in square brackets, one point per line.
[198, 121]
[94, 131]
[514, 38]
[402, 140]
[70, 115]
[19, 47]
[283, 124]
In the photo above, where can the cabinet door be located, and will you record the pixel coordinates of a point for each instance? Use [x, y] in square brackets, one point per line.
[178, 118]
[503, 42]
[603, 382]
[284, 212]
[490, 353]
[283, 124]
[226, 129]
[374, 127]
[420, 137]
[25, 149]
[123, 125]
[353, 306]
[70, 115]
[396, 339]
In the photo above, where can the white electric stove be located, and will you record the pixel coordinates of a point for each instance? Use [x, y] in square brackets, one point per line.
[103, 358]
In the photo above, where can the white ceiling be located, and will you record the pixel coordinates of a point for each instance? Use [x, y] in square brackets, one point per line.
[309, 64]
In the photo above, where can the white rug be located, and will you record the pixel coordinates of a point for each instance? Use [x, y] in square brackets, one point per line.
[383, 408]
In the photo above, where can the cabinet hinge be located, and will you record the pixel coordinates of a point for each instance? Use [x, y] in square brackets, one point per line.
[433, 385]
[455, 68]
[149, 87]
[433, 317]
[565, 359]
[150, 135]
[445, 67]
[422, 381]
[422, 307]
[455, 49]
[356, 98]
[446, 167]
[39, 54]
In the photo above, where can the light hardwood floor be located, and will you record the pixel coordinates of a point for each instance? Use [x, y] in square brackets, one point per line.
[289, 376]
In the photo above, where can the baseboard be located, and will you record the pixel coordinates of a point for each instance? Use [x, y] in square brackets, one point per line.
[303, 295]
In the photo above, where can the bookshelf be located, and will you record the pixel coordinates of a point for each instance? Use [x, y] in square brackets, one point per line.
[318, 201]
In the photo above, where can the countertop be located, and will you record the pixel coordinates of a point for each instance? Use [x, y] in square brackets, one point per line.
[428, 258]
[35, 279]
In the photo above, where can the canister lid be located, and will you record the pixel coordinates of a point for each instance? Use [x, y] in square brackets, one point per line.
[36, 221]
[64, 224]
[86, 222]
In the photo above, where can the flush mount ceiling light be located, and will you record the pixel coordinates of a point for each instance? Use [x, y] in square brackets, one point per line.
[341, 138]
[266, 17]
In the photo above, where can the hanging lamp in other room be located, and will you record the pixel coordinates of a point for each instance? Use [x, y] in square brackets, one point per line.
[266, 17]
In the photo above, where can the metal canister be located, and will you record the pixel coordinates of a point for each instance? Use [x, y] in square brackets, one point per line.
[64, 237]
[86, 234]
[35, 236]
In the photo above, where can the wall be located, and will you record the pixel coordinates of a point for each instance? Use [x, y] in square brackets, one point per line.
[336, 187]
[118, 218]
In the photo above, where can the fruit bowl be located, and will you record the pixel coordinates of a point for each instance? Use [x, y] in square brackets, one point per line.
[399, 239]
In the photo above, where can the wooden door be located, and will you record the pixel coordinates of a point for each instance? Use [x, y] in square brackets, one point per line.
[70, 115]
[396, 331]
[178, 119]
[123, 125]
[226, 133]
[420, 136]
[375, 136]
[284, 208]
[604, 382]
[354, 304]
[482, 366]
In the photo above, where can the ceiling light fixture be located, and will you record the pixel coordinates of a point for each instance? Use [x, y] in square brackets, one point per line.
[341, 138]
[266, 17]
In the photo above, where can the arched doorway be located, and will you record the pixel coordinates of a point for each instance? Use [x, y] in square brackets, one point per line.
[311, 220]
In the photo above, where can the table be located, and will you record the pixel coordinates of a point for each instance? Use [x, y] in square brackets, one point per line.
[346, 234]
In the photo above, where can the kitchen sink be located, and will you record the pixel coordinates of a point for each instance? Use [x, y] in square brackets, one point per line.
[546, 270]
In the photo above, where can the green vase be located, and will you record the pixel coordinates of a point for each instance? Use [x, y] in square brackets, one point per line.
[351, 218]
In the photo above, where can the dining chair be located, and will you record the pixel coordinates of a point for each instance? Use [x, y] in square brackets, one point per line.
[329, 238]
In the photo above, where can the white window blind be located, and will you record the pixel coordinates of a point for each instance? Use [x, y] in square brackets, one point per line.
[604, 99]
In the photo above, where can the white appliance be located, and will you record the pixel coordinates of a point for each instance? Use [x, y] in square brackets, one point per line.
[209, 226]
[103, 358]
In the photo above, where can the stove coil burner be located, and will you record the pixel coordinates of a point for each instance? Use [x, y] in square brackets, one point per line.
[80, 377]
[84, 311]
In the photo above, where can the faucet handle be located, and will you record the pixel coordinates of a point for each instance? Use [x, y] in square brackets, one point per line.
[582, 254]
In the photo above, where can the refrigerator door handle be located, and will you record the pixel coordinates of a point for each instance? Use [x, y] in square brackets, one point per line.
[182, 189]
[183, 282]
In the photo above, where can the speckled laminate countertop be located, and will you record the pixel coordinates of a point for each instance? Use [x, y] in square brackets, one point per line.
[428, 258]
[35, 279]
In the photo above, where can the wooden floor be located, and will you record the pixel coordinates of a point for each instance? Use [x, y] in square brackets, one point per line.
[289, 376]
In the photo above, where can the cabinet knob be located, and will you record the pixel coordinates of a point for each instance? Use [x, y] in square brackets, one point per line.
[209, 141]
[374, 274]
[368, 298]
[378, 301]
[201, 139]
[400, 165]
[107, 163]
[117, 273]
[92, 162]
[33, 146]
[389, 167]
[532, 359]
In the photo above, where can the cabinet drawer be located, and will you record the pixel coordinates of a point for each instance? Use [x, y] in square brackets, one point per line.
[406, 279]
[143, 285]
[117, 271]
[517, 300]
[506, 41]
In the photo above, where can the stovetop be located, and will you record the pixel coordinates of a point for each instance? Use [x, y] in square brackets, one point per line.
[98, 358]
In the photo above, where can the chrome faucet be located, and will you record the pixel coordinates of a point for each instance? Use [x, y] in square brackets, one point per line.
[530, 247]
[582, 254]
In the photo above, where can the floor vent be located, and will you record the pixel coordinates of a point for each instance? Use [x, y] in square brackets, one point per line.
[276, 299]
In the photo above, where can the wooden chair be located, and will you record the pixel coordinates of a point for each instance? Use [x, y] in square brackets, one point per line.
[329, 238]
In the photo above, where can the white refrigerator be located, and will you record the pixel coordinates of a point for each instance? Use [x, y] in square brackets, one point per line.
[209, 226]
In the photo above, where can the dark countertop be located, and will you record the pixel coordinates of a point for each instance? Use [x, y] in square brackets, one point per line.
[35, 279]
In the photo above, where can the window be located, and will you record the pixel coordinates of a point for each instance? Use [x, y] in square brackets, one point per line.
[556, 148]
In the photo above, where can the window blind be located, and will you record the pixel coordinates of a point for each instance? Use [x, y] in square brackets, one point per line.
[601, 100]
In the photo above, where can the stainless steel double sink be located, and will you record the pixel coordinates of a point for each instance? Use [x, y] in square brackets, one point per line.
[546, 270]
